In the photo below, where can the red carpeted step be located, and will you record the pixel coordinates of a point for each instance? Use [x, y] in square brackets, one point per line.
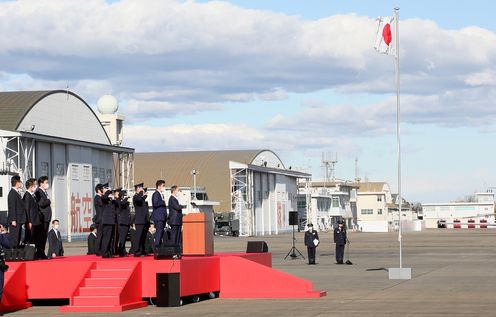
[96, 300]
[106, 273]
[99, 291]
[102, 309]
[102, 282]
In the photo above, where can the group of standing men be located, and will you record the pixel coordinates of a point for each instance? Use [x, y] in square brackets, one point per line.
[29, 217]
[113, 219]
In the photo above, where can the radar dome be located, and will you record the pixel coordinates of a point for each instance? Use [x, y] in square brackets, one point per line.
[107, 104]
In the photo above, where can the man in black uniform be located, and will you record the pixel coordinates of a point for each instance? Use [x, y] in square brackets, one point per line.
[35, 219]
[123, 220]
[340, 240]
[311, 242]
[141, 219]
[16, 212]
[97, 218]
[108, 222]
[46, 213]
[175, 218]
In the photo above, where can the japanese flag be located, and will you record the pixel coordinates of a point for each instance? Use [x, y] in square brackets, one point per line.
[384, 39]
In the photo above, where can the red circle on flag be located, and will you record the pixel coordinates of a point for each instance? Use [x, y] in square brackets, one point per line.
[386, 34]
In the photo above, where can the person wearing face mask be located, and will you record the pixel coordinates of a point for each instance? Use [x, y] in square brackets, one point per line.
[159, 214]
[34, 230]
[46, 212]
[175, 218]
[150, 239]
[311, 242]
[55, 247]
[141, 220]
[16, 214]
[340, 241]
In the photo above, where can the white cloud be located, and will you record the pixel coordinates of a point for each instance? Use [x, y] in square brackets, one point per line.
[184, 51]
[182, 137]
[139, 110]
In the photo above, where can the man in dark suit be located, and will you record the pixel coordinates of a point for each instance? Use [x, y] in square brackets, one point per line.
[35, 218]
[46, 213]
[150, 239]
[311, 242]
[97, 218]
[16, 215]
[92, 246]
[55, 247]
[340, 240]
[175, 217]
[159, 214]
[108, 223]
[141, 220]
[123, 220]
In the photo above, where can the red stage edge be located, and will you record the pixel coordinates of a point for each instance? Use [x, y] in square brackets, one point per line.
[93, 284]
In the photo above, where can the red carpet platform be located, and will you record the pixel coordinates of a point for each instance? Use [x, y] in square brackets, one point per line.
[93, 284]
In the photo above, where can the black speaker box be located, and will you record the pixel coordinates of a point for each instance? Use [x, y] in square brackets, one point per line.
[257, 247]
[168, 286]
[167, 252]
[22, 254]
[293, 218]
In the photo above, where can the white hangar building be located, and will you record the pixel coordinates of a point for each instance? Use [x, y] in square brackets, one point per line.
[57, 134]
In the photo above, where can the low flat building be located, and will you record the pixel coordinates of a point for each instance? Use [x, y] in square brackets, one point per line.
[482, 208]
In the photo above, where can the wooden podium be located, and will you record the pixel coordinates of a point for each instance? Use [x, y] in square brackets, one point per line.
[198, 234]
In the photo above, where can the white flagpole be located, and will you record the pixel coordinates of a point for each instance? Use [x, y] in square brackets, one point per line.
[398, 117]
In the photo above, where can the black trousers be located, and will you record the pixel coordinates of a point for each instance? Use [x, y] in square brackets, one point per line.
[123, 230]
[107, 233]
[15, 235]
[140, 239]
[99, 235]
[37, 235]
[339, 253]
[177, 236]
[311, 255]
[159, 234]
[44, 237]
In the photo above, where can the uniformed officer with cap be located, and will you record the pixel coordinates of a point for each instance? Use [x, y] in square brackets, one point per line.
[340, 241]
[311, 242]
[123, 219]
[141, 219]
[108, 222]
[97, 218]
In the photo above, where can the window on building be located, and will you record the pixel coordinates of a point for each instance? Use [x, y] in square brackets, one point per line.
[44, 168]
[367, 211]
[302, 204]
[379, 211]
[335, 202]
[109, 175]
[60, 167]
[379, 197]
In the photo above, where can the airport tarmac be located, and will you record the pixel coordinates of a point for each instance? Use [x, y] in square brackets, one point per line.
[454, 273]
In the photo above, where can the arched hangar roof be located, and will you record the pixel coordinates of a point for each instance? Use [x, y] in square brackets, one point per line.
[54, 113]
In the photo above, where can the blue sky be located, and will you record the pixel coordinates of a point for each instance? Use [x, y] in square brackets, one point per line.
[298, 77]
